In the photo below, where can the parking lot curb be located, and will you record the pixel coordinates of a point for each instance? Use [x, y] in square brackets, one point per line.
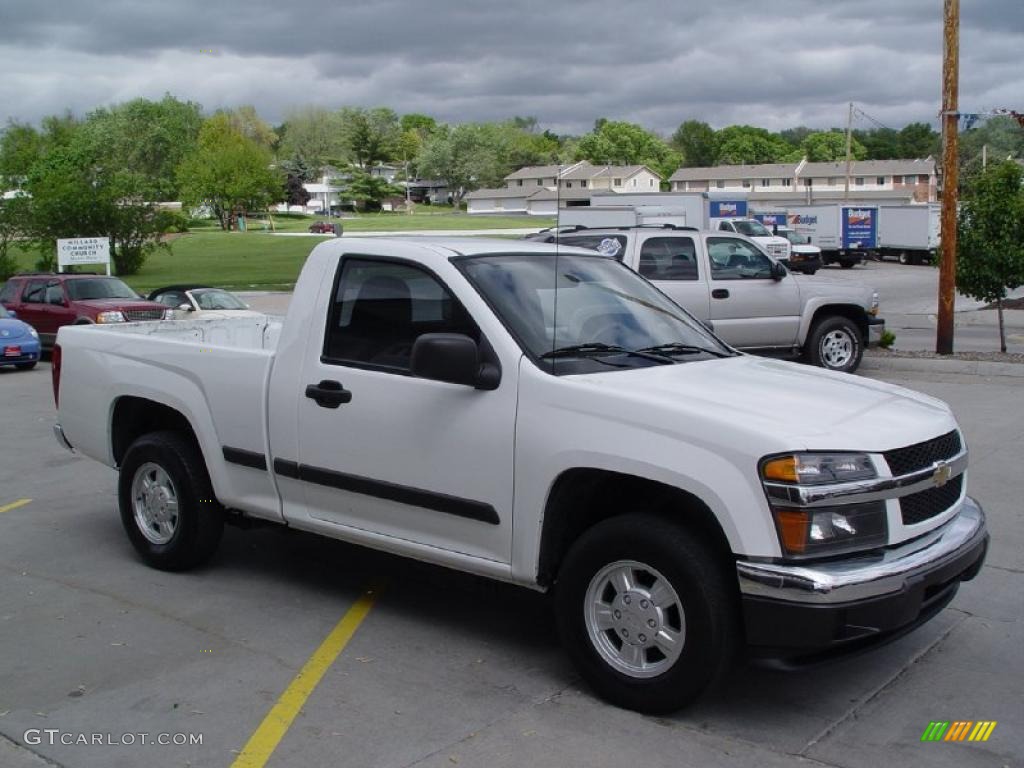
[932, 365]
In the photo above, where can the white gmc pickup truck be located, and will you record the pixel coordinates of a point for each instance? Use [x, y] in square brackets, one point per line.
[446, 400]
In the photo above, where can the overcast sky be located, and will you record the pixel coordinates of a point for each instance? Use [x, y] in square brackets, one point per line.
[654, 62]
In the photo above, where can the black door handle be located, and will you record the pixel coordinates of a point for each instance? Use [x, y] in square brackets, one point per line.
[720, 293]
[328, 394]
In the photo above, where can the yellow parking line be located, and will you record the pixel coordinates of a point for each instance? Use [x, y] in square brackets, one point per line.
[15, 505]
[275, 725]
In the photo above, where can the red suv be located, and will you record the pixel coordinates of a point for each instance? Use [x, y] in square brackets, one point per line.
[48, 301]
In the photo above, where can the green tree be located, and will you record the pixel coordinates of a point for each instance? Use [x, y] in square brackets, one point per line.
[369, 136]
[21, 147]
[13, 219]
[247, 121]
[695, 140]
[918, 140]
[424, 125]
[148, 139]
[312, 139]
[77, 192]
[880, 143]
[620, 143]
[747, 145]
[1001, 137]
[462, 156]
[369, 190]
[990, 237]
[830, 146]
[229, 172]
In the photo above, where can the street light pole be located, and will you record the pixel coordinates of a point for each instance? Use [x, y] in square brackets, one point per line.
[950, 176]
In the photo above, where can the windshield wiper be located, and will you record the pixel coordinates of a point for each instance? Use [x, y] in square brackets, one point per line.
[678, 348]
[599, 349]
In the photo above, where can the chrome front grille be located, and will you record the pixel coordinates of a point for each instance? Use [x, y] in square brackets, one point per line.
[919, 456]
[137, 315]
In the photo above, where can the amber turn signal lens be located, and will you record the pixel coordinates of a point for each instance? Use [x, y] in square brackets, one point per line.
[793, 529]
[783, 469]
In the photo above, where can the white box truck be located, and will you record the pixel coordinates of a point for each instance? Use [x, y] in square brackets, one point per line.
[846, 234]
[909, 233]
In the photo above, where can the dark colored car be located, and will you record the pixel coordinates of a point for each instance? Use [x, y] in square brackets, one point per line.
[325, 228]
[48, 301]
[19, 342]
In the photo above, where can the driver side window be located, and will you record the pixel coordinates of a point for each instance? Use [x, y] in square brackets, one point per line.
[382, 307]
[735, 259]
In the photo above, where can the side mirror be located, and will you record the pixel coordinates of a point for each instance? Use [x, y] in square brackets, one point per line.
[778, 271]
[454, 358]
[185, 307]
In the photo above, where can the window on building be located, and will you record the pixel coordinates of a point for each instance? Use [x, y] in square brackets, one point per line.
[787, 182]
[880, 181]
[766, 182]
[859, 181]
[568, 185]
[583, 183]
[897, 179]
[651, 184]
[634, 182]
[519, 182]
[808, 182]
[617, 182]
[746, 182]
[922, 178]
[540, 182]
[831, 181]
[720, 183]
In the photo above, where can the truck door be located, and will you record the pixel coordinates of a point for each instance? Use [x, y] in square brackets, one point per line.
[749, 307]
[384, 452]
[36, 307]
[671, 263]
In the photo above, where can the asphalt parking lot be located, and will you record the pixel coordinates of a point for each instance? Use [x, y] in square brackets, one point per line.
[445, 669]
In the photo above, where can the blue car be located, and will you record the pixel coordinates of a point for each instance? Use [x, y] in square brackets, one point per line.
[19, 342]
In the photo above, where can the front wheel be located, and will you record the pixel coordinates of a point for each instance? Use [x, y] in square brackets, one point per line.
[167, 503]
[835, 343]
[646, 613]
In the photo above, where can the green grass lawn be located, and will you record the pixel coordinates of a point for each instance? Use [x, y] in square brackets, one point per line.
[253, 260]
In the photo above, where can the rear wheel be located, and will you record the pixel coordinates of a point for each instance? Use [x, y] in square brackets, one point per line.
[167, 504]
[847, 264]
[904, 257]
[646, 613]
[835, 343]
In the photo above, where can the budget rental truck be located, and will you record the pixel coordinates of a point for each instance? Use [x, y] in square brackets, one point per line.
[846, 234]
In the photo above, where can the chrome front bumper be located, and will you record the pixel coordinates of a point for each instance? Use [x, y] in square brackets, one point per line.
[962, 539]
[58, 433]
[876, 327]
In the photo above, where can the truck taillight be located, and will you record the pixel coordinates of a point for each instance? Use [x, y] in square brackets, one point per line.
[55, 373]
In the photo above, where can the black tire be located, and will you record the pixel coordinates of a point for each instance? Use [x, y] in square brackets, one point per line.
[199, 520]
[705, 600]
[26, 366]
[810, 271]
[847, 264]
[835, 343]
[904, 258]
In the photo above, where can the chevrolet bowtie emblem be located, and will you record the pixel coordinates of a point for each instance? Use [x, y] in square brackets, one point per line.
[941, 473]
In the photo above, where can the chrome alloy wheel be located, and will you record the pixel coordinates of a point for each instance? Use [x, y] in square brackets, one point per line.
[837, 348]
[154, 503]
[635, 619]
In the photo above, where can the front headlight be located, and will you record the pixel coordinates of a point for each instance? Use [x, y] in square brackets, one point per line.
[170, 314]
[34, 332]
[112, 316]
[814, 531]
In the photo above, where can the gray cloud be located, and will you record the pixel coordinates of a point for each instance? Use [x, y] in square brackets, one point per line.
[656, 62]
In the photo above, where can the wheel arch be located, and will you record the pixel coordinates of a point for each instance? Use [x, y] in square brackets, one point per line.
[582, 497]
[852, 312]
[133, 416]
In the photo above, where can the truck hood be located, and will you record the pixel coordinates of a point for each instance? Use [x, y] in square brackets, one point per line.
[778, 405]
[834, 291]
[103, 304]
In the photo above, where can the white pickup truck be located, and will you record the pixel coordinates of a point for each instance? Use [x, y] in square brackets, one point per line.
[754, 303]
[445, 400]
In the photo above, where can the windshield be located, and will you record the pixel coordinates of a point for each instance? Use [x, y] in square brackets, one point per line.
[3, 313]
[794, 238]
[99, 288]
[604, 314]
[751, 229]
[215, 298]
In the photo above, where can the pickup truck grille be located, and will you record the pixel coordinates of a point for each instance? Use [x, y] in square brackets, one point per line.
[903, 461]
[923, 505]
[135, 315]
[777, 251]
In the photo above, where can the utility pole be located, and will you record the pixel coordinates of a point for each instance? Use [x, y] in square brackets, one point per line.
[950, 176]
[849, 137]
